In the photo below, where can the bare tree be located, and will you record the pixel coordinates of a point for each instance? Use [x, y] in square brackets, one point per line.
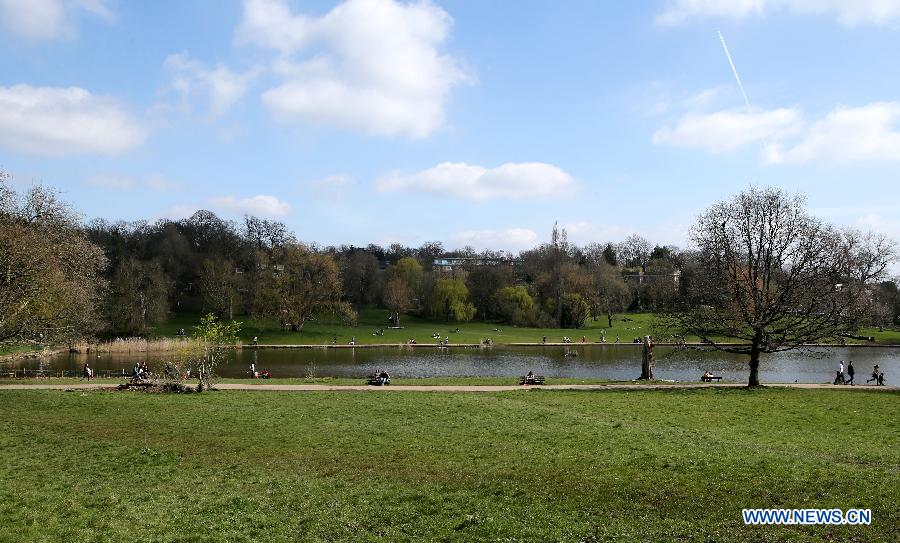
[220, 285]
[399, 298]
[775, 278]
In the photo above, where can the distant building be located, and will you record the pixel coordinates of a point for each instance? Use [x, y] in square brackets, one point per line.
[643, 278]
[450, 263]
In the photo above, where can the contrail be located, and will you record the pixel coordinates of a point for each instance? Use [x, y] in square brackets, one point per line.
[733, 68]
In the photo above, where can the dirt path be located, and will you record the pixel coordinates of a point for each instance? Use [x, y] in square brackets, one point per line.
[459, 388]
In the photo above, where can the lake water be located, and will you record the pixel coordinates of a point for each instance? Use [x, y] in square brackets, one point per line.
[613, 362]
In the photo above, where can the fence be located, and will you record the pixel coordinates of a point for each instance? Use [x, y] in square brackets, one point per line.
[21, 373]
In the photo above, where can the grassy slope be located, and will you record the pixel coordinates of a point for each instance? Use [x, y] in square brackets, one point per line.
[318, 333]
[636, 466]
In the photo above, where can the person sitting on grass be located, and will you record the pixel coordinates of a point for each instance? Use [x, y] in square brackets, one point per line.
[265, 374]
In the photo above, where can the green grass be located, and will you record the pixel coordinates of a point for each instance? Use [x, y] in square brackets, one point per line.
[321, 332]
[17, 349]
[626, 326]
[518, 466]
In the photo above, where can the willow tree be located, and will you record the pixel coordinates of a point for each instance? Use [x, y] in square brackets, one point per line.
[771, 277]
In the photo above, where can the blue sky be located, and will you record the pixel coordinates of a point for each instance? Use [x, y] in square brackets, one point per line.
[476, 123]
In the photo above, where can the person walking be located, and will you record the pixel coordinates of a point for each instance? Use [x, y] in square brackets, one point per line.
[839, 378]
[850, 372]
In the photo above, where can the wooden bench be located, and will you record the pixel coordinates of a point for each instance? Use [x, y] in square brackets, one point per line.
[707, 379]
[534, 380]
[376, 381]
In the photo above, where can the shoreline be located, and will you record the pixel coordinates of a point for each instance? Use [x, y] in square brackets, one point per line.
[463, 388]
[49, 352]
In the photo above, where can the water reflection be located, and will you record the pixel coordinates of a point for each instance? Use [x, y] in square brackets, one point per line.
[614, 362]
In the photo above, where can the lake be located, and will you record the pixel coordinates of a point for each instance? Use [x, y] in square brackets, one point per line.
[592, 361]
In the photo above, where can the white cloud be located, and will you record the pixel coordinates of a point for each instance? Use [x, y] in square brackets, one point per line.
[58, 121]
[220, 85]
[728, 130]
[367, 65]
[155, 182]
[510, 239]
[48, 19]
[847, 12]
[846, 134]
[470, 182]
[261, 205]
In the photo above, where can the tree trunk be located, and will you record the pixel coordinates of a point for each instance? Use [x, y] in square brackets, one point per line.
[609, 319]
[754, 365]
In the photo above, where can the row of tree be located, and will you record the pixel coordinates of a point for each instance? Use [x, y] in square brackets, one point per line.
[63, 279]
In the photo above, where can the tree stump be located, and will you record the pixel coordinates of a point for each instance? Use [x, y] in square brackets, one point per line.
[647, 360]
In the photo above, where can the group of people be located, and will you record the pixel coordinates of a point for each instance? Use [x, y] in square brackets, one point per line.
[846, 378]
[264, 374]
[140, 372]
[381, 377]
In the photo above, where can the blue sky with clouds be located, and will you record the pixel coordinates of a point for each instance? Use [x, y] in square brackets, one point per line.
[475, 123]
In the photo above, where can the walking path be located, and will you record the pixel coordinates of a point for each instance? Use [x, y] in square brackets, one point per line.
[461, 388]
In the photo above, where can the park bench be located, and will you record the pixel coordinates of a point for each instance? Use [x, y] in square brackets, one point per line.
[376, 381]
[710, 378]
[533, 380]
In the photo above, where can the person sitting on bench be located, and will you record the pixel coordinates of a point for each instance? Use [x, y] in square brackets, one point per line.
[383, 377]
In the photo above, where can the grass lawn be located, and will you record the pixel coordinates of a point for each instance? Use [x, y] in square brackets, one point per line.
[626, 326]
[518, 466]
[321, 332]
[16, 349]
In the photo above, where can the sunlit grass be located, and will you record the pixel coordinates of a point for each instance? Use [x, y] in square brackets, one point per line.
[516, 466]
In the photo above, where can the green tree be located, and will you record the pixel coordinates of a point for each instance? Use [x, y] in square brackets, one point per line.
[215, 337]
[298, 285]
[451, 301]
[515, 304]
[575, 311]
[411, 272]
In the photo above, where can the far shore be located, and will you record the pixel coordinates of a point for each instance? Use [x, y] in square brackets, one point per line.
[165, 346]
